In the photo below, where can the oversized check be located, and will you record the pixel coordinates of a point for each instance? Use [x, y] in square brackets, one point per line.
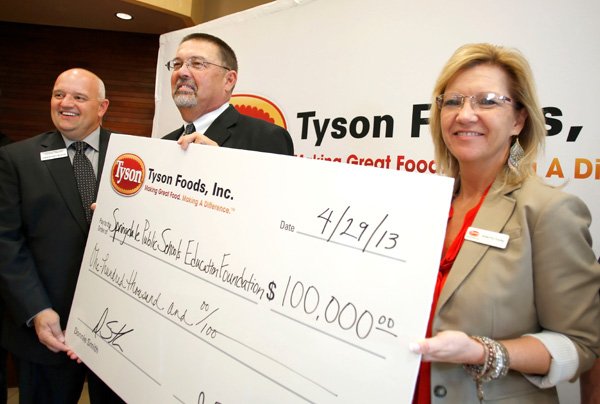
[219, 275]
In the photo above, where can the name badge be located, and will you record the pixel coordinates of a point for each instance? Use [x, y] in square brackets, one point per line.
[53, 154]
[491, 238]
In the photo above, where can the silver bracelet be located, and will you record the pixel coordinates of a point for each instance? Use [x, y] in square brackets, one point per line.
[495, 365]
[502, 361]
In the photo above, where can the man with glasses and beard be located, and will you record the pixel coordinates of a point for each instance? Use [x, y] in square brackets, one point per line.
[203, 76]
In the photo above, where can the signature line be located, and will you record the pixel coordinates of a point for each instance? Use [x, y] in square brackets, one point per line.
[121, 353]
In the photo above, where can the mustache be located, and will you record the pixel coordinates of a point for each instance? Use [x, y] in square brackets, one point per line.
[187, 83]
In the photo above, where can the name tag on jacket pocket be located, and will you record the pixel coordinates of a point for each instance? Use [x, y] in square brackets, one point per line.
[491, 238]
[53, 154]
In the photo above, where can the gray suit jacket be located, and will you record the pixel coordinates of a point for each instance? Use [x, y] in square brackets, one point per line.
[43, 232]
[547, 278]
[238, 131]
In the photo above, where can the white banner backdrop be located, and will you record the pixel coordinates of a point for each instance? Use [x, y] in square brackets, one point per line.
[353, 79]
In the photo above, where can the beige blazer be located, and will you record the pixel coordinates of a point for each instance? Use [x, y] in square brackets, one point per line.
[547, 278]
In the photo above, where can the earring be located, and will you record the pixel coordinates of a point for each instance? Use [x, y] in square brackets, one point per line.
[515, 155]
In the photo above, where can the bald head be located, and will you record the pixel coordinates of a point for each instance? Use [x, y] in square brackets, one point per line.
[78, 103]
[85, 75]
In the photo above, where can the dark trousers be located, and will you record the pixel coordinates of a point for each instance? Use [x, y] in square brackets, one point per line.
[50, 384]
[100, 393]
[60, 384]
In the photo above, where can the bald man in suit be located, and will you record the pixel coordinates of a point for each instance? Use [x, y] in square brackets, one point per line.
[43, 231]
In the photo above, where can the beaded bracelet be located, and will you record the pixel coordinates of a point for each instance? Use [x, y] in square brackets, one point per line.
[502, 361]
[495, 363]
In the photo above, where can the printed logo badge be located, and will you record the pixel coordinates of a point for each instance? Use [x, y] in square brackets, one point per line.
[127, 174]
[258, 107]
[491, 238]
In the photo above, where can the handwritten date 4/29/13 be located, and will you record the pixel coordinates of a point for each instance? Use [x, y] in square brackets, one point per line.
[346, 227]
[349, 230]
[109, 330]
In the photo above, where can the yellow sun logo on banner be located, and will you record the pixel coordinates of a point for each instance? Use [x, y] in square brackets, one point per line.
[258, 107]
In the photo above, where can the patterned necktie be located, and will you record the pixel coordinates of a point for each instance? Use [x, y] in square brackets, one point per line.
[86, 179]
[189, 128]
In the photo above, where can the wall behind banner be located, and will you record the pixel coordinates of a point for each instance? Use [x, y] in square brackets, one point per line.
[353, 79]
[33, 56]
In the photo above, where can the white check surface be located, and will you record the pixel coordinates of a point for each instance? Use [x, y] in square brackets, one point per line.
[304, 281]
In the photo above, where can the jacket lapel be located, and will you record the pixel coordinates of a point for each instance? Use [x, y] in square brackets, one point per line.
[493, 214]
[104, 137]
[61, 171]
[219, 130]
[175, 135]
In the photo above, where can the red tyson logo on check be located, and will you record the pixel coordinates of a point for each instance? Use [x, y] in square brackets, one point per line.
[127, 174]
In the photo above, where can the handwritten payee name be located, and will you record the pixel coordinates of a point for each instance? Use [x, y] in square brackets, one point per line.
[187, 252]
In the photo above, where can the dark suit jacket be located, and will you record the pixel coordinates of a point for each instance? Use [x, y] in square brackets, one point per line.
[237, 131]
[43, 232]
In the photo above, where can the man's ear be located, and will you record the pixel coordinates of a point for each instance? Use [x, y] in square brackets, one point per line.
[103, 107]
[230, 80]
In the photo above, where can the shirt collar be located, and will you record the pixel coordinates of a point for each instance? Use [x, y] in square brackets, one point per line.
[206, 120]
[93, 139]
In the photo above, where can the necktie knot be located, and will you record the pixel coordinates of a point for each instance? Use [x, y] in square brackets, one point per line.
[189, 128]
[80, 147]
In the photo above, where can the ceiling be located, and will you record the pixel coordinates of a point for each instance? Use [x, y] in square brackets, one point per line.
[100, 14]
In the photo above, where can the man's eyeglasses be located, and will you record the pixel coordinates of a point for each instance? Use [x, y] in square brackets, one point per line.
[484, 100]
[195, 63]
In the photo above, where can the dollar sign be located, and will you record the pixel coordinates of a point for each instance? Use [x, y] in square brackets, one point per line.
[272, 287]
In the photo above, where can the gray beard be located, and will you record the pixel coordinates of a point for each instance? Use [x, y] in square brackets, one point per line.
[185, 100]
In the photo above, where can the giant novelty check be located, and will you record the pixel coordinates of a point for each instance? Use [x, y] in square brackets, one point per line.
[219, 275]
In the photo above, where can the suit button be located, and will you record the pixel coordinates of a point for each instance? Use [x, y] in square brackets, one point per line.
[439, 391]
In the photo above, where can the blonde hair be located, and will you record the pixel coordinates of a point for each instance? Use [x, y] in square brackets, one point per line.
[521, 90]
